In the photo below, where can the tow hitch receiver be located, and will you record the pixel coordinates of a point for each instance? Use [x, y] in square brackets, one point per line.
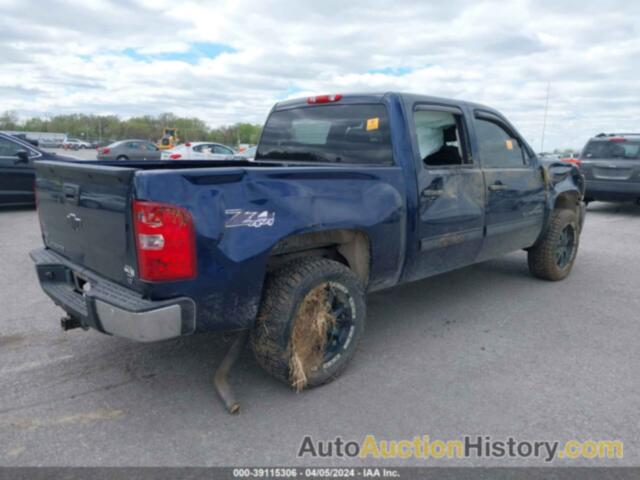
[69, 323]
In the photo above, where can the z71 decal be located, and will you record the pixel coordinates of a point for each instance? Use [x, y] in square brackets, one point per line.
[246, 218]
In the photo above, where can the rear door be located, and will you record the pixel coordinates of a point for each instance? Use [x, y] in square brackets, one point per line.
[85, 215]
[135, 151]
[450, 189]
[151, 152]
[16, 179]
[515, 189]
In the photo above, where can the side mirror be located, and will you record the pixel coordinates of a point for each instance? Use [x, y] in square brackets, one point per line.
[23, 157]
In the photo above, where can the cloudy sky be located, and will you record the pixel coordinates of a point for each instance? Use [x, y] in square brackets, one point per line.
[228, 61]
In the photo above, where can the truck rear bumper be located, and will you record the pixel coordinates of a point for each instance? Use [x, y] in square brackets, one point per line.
[612, 190]
[109, 307]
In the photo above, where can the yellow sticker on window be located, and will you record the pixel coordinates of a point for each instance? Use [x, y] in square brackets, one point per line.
[373, 123]
[509, 144]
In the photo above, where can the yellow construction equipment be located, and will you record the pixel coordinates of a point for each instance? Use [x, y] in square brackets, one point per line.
[169, 139]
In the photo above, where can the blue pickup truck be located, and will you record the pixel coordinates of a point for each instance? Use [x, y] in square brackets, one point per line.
[347, 194]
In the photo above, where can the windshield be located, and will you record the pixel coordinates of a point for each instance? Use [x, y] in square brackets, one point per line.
[624, 149]
[328, 133]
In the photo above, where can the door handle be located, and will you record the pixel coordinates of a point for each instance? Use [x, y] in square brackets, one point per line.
[497, 187]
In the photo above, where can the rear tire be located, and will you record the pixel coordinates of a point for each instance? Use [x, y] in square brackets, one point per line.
[310, 320]
[122, 158]
[552, 258]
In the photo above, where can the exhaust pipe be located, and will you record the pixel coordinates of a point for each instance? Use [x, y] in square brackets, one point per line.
[221, 380]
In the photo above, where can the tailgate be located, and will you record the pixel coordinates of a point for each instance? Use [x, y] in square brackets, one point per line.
[611, 169]
[84, 214]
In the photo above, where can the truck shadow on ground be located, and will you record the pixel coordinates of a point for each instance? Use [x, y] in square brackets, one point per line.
[626, 209]
[115, 370]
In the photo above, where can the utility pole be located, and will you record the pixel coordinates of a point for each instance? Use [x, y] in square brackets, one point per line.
[544, 123]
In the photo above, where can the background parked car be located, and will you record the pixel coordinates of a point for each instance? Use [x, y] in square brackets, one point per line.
[129, 150]
[17, 173]
[199, 151]
[247, 154]
[571, 158]
[24, 138]
[611, 166]
[75, 144]
[548, 158]
[100, 143]
[50, 143]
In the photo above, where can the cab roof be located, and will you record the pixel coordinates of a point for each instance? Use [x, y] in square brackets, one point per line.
[353, 98]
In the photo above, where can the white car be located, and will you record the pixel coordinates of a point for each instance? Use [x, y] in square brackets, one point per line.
[198, 151]
[247, 154]
[75, 144]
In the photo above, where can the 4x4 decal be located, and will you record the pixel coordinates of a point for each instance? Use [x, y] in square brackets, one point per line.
[246, 218]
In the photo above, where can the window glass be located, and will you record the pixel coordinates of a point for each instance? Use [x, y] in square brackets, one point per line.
[134, 145]
[612, 149]
[439, 137]
[221, 150]
[498, 149]
[9, 149]
[200, 148]
[328, 133]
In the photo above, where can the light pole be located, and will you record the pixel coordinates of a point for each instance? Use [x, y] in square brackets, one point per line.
[544, 122]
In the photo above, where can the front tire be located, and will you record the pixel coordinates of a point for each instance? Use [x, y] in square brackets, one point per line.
[552, 258]
[311, 318]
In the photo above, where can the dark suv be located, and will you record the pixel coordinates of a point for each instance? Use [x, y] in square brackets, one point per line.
[610, 163]
[17, 171]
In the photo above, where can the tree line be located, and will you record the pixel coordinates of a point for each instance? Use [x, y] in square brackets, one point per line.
[107, 128]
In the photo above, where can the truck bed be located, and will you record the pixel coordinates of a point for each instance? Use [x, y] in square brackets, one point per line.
[86, 216]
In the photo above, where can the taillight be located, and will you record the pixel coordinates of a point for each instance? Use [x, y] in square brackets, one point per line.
[175, 156]
[165, 242]
[188, 144]
[325, 98]
[105, 150]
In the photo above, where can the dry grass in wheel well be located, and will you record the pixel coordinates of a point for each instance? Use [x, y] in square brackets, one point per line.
[309, 336]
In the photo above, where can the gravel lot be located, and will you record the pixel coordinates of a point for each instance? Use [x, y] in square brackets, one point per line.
[485, 350]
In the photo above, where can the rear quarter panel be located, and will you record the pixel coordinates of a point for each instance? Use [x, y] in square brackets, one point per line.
[232, 258]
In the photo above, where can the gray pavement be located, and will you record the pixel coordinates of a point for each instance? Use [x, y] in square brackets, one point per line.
[486, 350]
